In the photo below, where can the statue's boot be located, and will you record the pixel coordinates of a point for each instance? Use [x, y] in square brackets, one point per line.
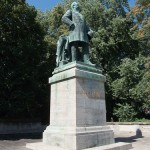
[87, 60]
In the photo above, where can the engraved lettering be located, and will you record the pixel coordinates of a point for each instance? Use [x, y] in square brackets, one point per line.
[92, 94]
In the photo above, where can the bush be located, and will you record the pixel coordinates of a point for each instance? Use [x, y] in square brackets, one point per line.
[124, 112]
[141, 120]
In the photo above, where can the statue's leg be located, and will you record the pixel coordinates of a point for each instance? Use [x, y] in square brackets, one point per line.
[58, 53]
[67, 50]
[86, 58]
[59, 50]
[74, 48]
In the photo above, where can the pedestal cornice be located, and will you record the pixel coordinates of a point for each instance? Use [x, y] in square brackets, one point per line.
[78, 70]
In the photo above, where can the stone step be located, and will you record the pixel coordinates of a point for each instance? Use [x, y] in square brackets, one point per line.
[115, 146]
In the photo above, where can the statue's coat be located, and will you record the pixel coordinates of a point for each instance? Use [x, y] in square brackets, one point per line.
[80, 32]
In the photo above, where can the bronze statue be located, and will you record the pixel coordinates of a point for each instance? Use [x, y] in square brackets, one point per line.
[80, 33]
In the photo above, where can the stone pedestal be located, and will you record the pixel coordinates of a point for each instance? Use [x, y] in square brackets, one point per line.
[77, 109]
[78, 113]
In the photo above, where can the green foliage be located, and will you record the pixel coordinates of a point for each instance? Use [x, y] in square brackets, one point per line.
[140, 15]
[23, 64]
[133, 85]
[141, 120]
[141, 92]
[119, 6]
[130, 74]
[124, 112]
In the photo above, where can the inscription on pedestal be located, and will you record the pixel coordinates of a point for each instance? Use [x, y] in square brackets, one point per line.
[92, 94]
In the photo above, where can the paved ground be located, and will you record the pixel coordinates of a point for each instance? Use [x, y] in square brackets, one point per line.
[18, 142]
[138, 143]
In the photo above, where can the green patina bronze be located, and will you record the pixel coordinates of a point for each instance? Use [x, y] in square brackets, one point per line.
[79, 36]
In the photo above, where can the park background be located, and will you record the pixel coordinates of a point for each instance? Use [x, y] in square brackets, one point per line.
[28, 38]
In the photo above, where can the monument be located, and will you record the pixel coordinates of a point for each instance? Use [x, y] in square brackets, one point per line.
[77, 105]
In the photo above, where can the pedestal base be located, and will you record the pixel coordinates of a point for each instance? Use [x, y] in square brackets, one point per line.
[115, 146]
[78, 138]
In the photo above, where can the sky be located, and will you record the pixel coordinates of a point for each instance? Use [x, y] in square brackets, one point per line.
[43, 4]
[48, 4]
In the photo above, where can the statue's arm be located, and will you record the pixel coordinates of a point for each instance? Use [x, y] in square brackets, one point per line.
[67, 18]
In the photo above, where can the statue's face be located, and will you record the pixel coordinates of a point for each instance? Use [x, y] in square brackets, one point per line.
[75, 6]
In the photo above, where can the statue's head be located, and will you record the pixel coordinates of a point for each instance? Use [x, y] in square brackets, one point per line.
[75, 6]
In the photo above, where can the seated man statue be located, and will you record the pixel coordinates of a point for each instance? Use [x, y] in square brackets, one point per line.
[62, 51]
[79, 34]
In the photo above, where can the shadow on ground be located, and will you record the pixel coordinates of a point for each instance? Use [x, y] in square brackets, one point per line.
[19, 136]
[127, 139]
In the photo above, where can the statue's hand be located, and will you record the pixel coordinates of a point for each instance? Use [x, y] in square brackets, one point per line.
[91, 33]
[72, 27]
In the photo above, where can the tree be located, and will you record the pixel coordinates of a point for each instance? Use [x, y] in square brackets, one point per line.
[119, 6]
[23, 63]
[141, 19]
[133, 85]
